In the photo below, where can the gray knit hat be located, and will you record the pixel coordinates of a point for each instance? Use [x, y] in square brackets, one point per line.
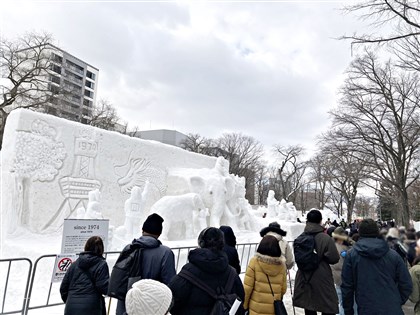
[148, 297]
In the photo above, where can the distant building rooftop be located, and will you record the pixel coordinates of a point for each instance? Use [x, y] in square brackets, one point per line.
[171, 137]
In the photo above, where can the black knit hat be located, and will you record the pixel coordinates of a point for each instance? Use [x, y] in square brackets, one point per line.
[153, 224]
[368, 228]
[273, 227]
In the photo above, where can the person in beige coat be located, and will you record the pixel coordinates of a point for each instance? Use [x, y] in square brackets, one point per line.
[265, 268]
[275, 230]
[415, 277]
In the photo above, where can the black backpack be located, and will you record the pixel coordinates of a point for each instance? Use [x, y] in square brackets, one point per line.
[223, 300]
[125, 272]
[304, 248]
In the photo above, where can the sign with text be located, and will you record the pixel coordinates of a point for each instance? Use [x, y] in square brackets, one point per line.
[62, 264]
[76, 232]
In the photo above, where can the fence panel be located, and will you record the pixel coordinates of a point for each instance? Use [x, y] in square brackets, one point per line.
[39, 292]
[15, 275]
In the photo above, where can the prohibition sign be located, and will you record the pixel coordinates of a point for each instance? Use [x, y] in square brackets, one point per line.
[64, 264]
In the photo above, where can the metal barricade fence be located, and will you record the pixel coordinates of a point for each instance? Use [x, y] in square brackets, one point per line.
[39, 287]
[13, 282]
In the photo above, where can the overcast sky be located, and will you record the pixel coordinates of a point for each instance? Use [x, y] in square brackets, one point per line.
[270, 70]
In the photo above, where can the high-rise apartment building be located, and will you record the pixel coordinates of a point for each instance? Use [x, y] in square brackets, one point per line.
[75, 83]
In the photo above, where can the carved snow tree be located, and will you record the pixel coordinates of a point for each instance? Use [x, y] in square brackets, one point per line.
[378, 117]
[290, 171]
[25, 66]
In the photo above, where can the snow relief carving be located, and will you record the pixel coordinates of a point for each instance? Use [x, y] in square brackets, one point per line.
[38, 157]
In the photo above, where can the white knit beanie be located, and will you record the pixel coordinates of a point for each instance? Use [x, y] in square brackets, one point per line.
[148, 297]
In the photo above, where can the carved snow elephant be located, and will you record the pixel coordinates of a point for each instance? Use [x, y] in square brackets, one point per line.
[180, 213]
[213, 188]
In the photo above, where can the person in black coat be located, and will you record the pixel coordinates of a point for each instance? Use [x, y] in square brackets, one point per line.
[374, 275]
[230, 248]
[209, 264]
[86, 281]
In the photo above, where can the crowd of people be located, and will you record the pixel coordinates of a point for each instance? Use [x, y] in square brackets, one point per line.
[363, 268]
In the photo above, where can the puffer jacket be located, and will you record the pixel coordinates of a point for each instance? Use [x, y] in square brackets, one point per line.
[415, 295]
[84, 284]
[230, 249]
[315, 290]
[209, 266]
[377, 277]
[338, 267]
[258, 297]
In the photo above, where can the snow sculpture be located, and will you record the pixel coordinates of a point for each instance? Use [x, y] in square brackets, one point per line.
[283, 210]
[178, 213]
[292, 215]
[94, 209]
[272, 204]
[133, 212]
[38, 157]
[45, 157]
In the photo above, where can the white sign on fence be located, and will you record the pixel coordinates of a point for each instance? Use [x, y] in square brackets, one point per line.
[62, 263]
[77, 232]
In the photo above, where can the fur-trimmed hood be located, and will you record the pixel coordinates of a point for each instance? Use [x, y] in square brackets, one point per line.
[269, 264]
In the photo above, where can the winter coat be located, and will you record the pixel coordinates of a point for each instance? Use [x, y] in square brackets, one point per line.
[158, 263]
[377, 277]
[230, 249]
[209, 266]
[83, 285]
[336, 268]
[415, 295]
[258, 297]
[286, 250]
[317, 292]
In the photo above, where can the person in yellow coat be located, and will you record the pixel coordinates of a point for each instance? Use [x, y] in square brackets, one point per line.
[266, 264]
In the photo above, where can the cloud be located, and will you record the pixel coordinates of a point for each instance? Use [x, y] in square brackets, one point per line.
[268, 70]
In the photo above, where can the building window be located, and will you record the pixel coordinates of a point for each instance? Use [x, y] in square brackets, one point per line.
[90, 75]
[88, 93]
[53, 88]
[87, 102]
[89, 84]
[55, 79]
[56, 58]
[55, 68]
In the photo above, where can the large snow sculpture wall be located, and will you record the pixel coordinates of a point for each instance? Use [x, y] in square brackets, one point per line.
[50, 164]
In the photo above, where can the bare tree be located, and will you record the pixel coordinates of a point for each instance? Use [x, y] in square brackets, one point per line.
[318, 174]
[105, 116]
[402, 15]
[261, 183]
[378, 117]
[198, 144]
[290, 171]
[25, 65]
[345, 172]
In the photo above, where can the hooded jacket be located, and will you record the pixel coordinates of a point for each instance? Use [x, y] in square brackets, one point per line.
[315, 290]
[377, 277]
[258, 296]
[209, 266]
[230, 249]
[286, 250]
[83, 285]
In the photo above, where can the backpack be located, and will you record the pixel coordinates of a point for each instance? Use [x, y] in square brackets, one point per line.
[304, 248]
[125, 272]
[223, 300]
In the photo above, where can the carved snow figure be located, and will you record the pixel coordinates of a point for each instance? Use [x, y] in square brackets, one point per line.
[214, 188]
[80, 213]
[272, 205]
[178, 213]
[283, 213]
[133, 212]
[94, 209]
[200, 220]
[292, 215]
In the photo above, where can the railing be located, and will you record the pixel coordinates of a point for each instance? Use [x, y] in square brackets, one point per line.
[39, 287]
[11, 282]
